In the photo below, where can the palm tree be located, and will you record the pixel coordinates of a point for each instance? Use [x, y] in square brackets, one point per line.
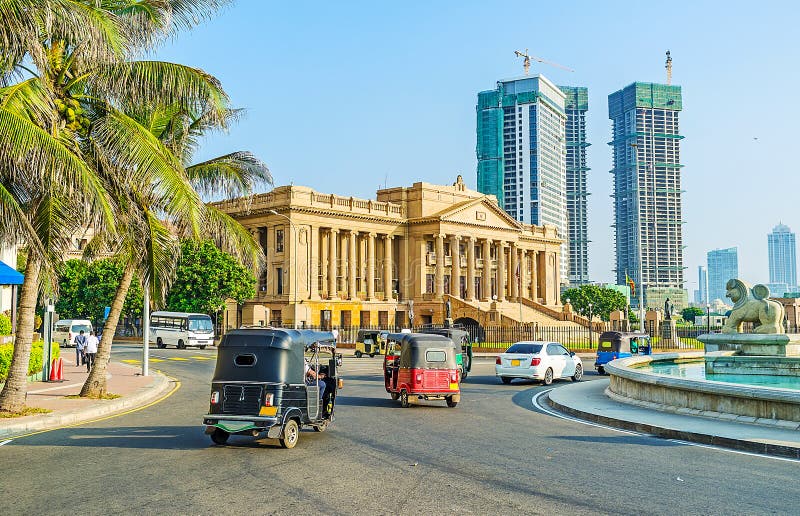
[62, 64]
[155, 218]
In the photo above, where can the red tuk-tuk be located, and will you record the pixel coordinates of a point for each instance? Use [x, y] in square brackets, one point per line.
[421, 366]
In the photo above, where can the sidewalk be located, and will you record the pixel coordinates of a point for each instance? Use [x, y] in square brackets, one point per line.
[126, 381]
[587, 400]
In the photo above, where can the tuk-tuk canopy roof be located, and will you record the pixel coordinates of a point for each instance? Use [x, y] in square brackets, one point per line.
[620, 341]
[414, 348]
[267, 354]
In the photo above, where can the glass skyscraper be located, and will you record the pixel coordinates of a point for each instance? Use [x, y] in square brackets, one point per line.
[647, 185]
[723, 265]
[782, 257]
[522, 153]
[701, 294]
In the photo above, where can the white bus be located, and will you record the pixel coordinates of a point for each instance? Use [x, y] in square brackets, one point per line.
[181, 329]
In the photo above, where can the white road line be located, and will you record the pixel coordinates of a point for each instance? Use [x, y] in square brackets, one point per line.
[5, 442]
[535, 403]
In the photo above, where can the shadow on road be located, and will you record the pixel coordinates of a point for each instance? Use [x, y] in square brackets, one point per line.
[364, 401]
[619, 439]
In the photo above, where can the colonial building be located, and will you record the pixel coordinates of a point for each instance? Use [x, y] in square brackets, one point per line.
[341, 261]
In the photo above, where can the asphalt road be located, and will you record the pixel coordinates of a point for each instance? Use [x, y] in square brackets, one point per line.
[493, 454]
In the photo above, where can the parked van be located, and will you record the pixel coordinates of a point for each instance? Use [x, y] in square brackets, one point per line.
[181, 329]
[65, 330]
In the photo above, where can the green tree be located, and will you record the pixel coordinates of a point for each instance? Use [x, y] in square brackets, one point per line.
[603, 300]
[72, 289]
[689, 313]
[206, 277]
[100, 287]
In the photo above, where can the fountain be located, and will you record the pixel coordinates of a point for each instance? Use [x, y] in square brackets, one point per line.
[752, 377]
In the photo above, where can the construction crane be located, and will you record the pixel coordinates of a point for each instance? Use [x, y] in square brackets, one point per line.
[526, 63]
[668, 66]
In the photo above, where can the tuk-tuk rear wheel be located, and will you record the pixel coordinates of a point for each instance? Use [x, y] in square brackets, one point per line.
[358, 354]
[219, 436]
[291, 434]
[372, 355]
[404, 399]
[450, 402]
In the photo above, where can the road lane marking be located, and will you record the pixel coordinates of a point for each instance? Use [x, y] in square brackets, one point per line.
[5, 442]
[112, 416]
[202, 358]
[535, 402]
[179, 359]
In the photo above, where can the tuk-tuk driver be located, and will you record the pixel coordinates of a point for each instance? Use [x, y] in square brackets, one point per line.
[635, 345]
[315, 378]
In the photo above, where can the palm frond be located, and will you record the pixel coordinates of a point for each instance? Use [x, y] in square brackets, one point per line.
[162, 251]
[126, 147]
[230, 236]
[15, 226]
[158, 83]
[231, 175]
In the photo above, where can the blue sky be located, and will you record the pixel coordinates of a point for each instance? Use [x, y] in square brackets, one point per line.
[347, 96]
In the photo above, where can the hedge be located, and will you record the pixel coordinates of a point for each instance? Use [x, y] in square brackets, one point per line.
[35, 363]
[5, 324]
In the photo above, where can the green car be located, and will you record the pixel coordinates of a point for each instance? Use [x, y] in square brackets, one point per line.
[464, 344]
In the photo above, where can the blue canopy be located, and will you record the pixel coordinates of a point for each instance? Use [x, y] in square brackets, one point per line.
[9, 276]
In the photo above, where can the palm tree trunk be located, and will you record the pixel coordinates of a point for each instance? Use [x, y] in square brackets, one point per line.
[15, 391]
[95, 385]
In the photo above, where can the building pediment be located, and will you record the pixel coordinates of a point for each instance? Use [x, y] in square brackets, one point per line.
[480, 212]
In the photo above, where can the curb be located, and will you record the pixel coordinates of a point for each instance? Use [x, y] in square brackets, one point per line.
[53, 421]
[776, 450]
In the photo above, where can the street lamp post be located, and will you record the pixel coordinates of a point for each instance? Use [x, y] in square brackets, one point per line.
[294, 252]
[708, 318]
[590, 325]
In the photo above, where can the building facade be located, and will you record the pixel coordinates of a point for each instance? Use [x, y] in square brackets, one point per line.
[342, 261]
[782, 251]
[647, 185]
[522, 152]
[576, 104]
[723, 265]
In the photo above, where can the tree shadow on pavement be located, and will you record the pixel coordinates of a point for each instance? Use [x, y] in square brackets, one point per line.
[158, 438]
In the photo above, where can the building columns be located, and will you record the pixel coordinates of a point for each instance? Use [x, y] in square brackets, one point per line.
[487, 271]
[332, 283]
[351, 283]
[387, 268]
[515, 269]
[470, 268]
[501, 271]
[439, 265]
[455, 266]
[371, 267]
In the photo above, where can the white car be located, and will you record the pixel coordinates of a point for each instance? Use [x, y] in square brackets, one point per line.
[542, 361]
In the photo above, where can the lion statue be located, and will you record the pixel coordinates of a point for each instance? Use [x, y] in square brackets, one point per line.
[752, 305]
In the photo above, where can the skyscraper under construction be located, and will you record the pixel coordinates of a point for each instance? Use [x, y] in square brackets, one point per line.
[647, 185]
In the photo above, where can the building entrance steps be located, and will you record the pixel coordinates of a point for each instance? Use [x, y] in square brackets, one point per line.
[508, 309]
[587, 400]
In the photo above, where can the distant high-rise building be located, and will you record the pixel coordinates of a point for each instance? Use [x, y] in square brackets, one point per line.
[521, 150]
[782, 256]
[723, 264]
[576, 105]
[647, 184]
[701, 294]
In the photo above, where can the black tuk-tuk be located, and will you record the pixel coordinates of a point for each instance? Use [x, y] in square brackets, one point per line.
[262, 383]
[616, 344]
[463, 344]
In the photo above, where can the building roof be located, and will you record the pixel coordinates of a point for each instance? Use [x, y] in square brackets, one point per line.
[9, 276]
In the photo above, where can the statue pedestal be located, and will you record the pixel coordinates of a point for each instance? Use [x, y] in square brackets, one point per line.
[753, 344]
[669, 334]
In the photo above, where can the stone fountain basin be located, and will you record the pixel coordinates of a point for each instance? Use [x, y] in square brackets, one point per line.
[755, 404]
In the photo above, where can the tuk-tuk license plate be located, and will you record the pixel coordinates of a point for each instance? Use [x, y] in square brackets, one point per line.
[515, 363]
[235, 426]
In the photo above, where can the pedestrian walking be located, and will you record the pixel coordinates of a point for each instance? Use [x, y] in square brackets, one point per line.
[80, 343]
[91, 350]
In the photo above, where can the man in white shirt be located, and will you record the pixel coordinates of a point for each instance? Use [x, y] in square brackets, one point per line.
[90, 350]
